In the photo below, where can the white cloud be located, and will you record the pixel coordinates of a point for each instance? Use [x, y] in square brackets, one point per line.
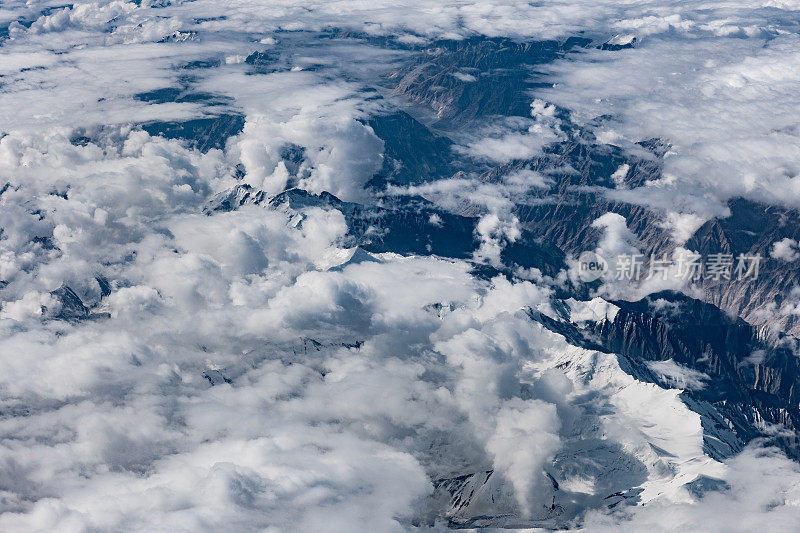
[620, 174]
[239, 382]
[465, 77]
[515, 138]
[726, 105]
[617, 239]
[678, 375]
[519, 425]
[763, 490]
[785, 249]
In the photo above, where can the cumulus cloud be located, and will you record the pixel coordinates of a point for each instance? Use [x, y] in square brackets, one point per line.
[631, 275]
[516, 138]
[707, 97]
[519, 425]
[785, 249]
[616, 243]
[493, 233]
[617, 239]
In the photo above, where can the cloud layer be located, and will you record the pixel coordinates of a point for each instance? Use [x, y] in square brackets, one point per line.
[248, 370]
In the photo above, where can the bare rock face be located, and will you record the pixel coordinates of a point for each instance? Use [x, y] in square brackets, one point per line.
[72, 307]
[465, 80]
[752, 229]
